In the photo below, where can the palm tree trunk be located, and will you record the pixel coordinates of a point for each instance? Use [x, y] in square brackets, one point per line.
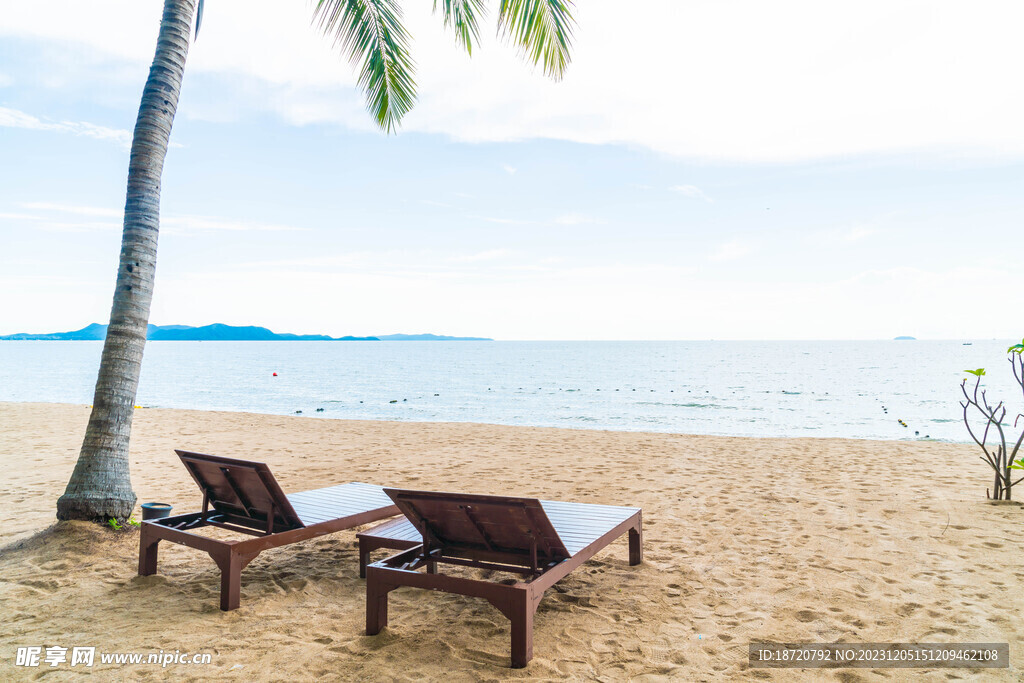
[100, 487]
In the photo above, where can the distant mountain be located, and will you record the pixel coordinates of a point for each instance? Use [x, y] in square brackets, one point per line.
[905, 338]
[219, 332]
[427, 337]
[87, 333]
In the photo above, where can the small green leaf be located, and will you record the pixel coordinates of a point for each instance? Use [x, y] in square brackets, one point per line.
[114, 524]
[1019, 465]
[1016, 348]
[134, 522]
[977, 373]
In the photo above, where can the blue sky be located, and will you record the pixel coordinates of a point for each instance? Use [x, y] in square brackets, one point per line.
[792, 172]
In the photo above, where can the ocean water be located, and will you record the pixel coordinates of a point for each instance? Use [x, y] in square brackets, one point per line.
[857, 389]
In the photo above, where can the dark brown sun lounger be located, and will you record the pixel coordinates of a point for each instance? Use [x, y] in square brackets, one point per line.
[541, 540]
[243, 496]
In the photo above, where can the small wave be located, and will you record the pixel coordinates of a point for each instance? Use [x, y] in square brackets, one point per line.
[712, 406]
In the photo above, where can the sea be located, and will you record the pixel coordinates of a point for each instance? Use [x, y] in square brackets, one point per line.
[908, 390]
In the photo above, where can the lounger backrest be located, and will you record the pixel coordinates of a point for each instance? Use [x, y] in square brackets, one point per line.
[501, 526]
[241, 489]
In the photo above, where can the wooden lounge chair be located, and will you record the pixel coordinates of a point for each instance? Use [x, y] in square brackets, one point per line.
[243, 496]
[541, 540]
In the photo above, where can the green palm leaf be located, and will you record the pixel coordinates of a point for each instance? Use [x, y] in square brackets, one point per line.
[199, 18]
[542, 29]
[372, 35]
[461, 15]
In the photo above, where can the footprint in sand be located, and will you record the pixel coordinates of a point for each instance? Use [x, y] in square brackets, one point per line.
[908, 609]
[944, 631]
[49, 586]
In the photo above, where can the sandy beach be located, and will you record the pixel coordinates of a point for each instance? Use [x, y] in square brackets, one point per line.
[745, 540]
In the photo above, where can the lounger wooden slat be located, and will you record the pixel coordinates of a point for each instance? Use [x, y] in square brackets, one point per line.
[310, 510]
[243, 496]
[326, 506]
[336, 494]
[327, 503]
[542, 540]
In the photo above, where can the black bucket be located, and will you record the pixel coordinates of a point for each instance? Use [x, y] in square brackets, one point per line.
[155, 510]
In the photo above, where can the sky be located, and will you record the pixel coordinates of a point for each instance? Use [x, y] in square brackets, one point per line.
[705, 170]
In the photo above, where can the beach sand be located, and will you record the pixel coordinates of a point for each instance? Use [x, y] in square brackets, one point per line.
[744, 540]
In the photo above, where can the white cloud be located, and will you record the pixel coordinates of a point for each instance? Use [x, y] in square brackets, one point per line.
[77, 226]
[501, 221]
[561, 219]
[12, 118]
[692, 191]
[19, 216]
[730, 251]
[5, 80]
[749, 81]
[79, 210]
[574, 219]
[330, 262]
[54, 217]
[384, 261]
[511, 170]
[489, 255]
[857, 234]
[170, 224]
[189, 224]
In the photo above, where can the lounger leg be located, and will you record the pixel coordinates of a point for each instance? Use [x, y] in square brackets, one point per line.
[636, 550]
[376, 604]
[148, 547]
[364, 557]
[521, 616]
[230, 564]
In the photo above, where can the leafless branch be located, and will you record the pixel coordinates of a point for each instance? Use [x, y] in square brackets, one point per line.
[1016, 447]
[1000, 457]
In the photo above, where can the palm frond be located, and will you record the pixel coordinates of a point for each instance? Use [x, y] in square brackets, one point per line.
[199, 19]
[542, 29]
[461, 15]
[372, 35]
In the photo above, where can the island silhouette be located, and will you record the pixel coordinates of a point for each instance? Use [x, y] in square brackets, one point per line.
[221, 332]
